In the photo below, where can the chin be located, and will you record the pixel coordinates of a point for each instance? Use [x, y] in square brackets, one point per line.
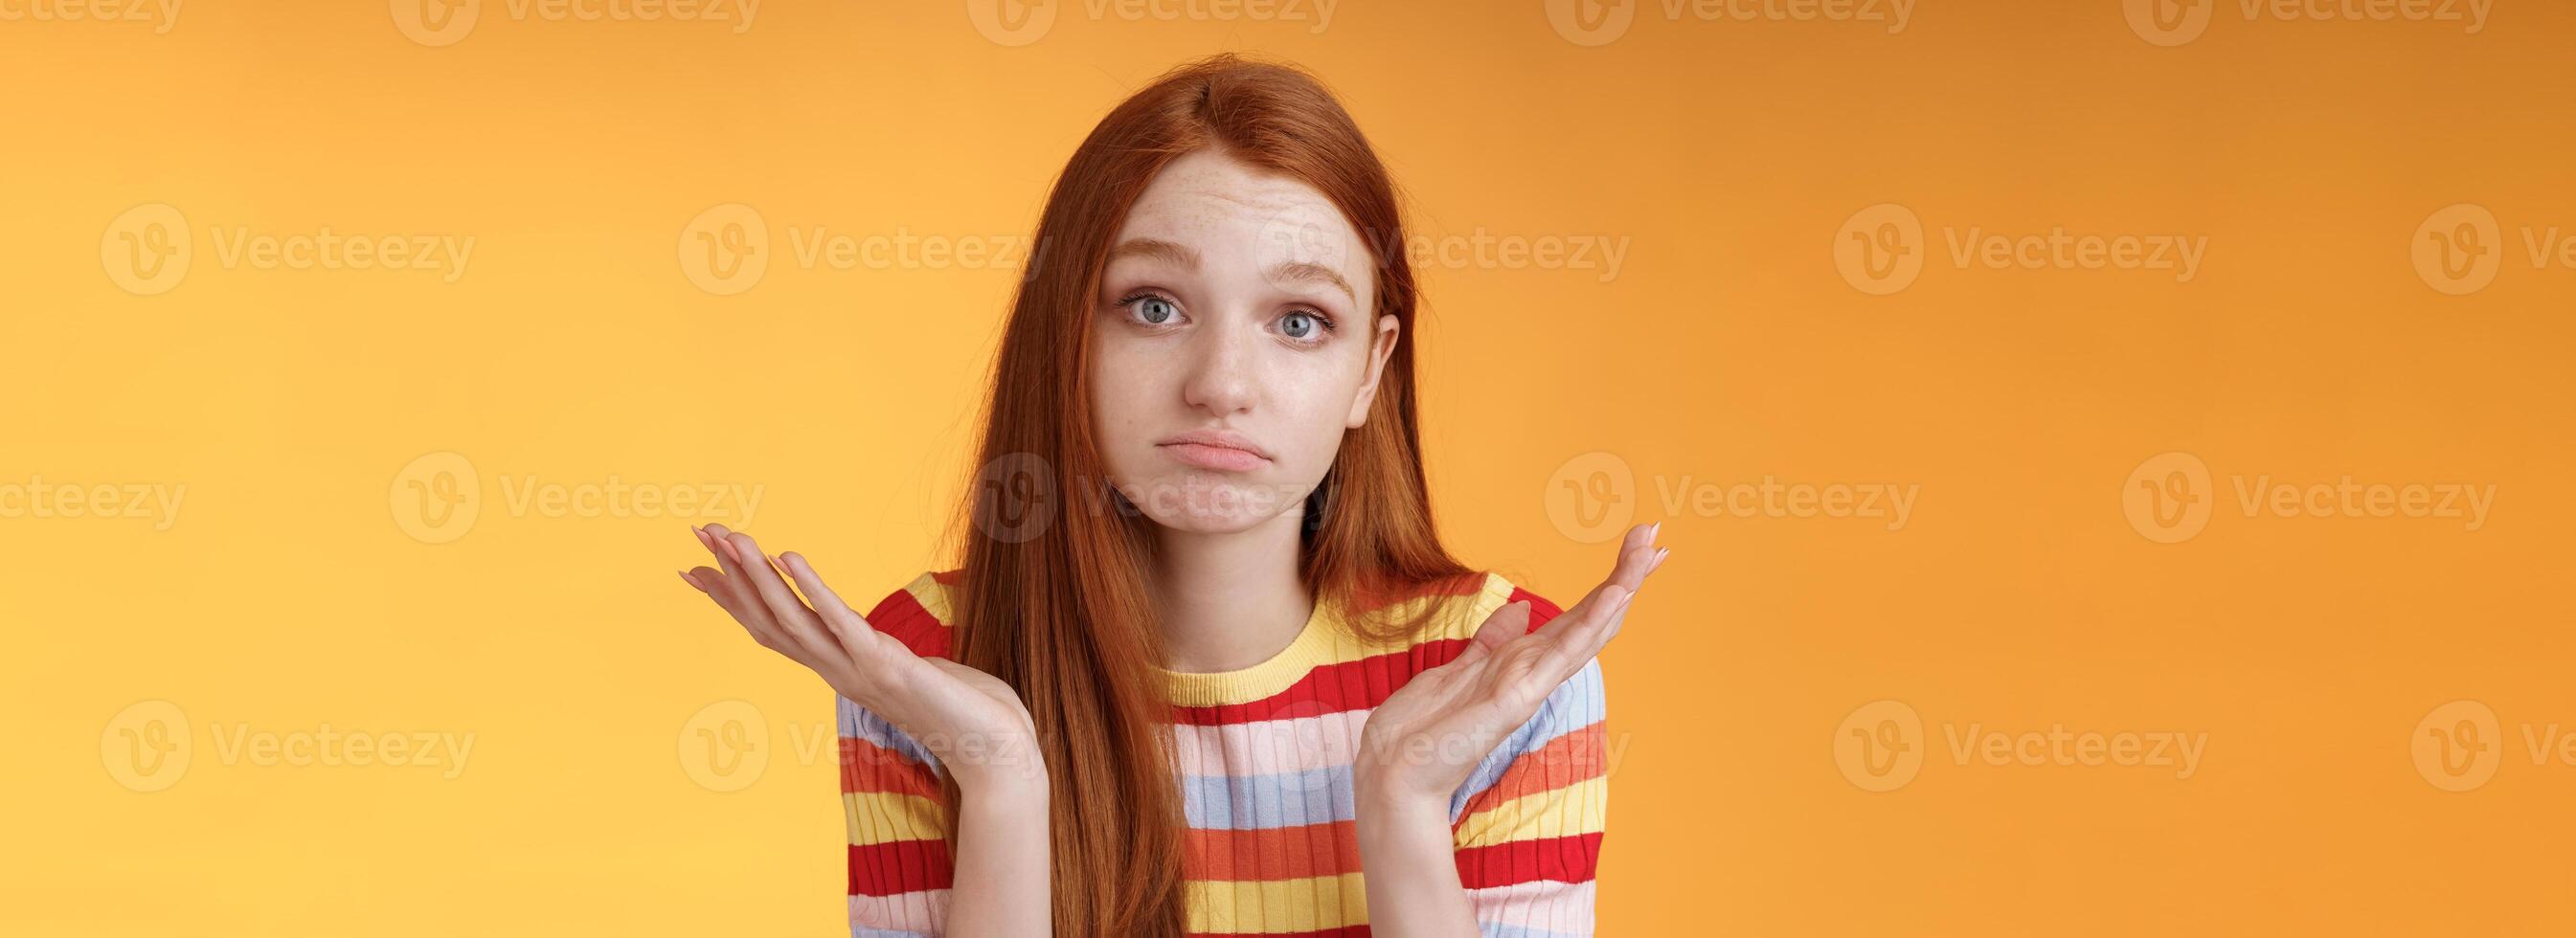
[1205, 502]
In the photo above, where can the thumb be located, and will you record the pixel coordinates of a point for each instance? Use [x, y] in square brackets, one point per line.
[1507, 623]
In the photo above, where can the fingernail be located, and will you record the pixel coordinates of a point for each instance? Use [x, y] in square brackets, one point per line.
[1659, 559]
[692, 581]
[731, 552]
[1653, 532]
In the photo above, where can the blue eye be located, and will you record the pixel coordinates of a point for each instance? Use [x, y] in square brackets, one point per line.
[1154, 310]
[1302, 325]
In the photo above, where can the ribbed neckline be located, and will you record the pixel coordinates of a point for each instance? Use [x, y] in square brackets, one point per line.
[1312, 646]
[1328, 637]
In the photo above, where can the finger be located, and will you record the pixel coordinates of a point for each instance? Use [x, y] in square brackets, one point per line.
[785, 607]
[1636, 556]
[852, 629]
[734, 590]
[708, 580]
[739, 594]
[753, 617]
[1569, 648]
[692, 581]
[1507, 623]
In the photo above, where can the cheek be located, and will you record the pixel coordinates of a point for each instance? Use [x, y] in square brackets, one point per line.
[1316, 401]
[1125, 383]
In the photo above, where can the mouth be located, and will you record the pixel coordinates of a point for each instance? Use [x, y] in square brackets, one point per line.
[1216, 449]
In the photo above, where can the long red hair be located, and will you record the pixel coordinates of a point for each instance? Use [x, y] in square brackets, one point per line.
[1056, 603]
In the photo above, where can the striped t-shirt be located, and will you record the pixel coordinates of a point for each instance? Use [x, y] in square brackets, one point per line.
[1265, 759]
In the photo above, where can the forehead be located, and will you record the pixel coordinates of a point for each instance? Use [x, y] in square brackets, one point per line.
[1233, 212]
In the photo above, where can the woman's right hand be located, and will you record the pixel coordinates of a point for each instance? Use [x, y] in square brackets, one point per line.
[972, 721]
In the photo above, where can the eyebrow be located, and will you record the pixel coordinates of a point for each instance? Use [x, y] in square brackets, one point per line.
[1317, 272]
[1187, 256]
[1172, 251]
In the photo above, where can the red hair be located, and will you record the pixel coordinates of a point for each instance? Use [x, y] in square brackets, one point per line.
[1057, 606]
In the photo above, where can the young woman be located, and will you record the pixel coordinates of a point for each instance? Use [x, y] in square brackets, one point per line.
[1204, 659]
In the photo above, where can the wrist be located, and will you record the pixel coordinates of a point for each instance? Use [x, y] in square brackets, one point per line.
[1385, 792]
[1018, 790]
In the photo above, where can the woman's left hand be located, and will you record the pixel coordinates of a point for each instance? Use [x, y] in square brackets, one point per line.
[1427, 737]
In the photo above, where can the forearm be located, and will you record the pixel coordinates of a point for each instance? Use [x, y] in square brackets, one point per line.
[1001, 886]
[1410, 866]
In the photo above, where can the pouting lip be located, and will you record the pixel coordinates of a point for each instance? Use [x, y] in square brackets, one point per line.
[1227, 439]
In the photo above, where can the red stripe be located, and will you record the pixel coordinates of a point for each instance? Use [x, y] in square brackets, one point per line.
[898, 867]
[1573, 757]
[1271, 853]
[1352, 685]
[1540, 609]
[1331, 688]
[1561, 859]
[901, 616]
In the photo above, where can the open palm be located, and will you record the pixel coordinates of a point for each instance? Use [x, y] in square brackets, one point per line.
[975, 723]
[1429, 735]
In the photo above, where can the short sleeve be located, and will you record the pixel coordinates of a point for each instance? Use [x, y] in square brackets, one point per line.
[1528, 823]
[899, 863]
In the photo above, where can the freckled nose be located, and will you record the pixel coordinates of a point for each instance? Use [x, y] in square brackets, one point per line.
[1221, 380]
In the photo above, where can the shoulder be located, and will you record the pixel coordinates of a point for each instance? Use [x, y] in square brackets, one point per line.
[1577, 700]
[1454, 608]
[919, 613]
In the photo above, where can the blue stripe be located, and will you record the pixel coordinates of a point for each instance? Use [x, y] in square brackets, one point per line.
[859, 722]
[1282, 799]
[1501, 930]
[1573, 705]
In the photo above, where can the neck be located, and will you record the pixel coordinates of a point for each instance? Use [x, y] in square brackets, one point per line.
[1229, 601]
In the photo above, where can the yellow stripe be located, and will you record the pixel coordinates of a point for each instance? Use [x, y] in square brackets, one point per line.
[1279, 905]
[1329, 638]
[933, 597]
[877, 817]
[1558, 812]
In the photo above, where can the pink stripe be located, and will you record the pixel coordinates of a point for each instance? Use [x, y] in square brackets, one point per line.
[924, 911]
[1269, 747]
[1544, 905]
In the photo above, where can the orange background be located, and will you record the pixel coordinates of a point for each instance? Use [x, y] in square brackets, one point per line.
[290, 591]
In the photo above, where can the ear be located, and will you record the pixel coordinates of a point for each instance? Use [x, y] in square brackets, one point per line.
[1380, 346]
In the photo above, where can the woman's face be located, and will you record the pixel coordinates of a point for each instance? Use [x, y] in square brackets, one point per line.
[1234, 345]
